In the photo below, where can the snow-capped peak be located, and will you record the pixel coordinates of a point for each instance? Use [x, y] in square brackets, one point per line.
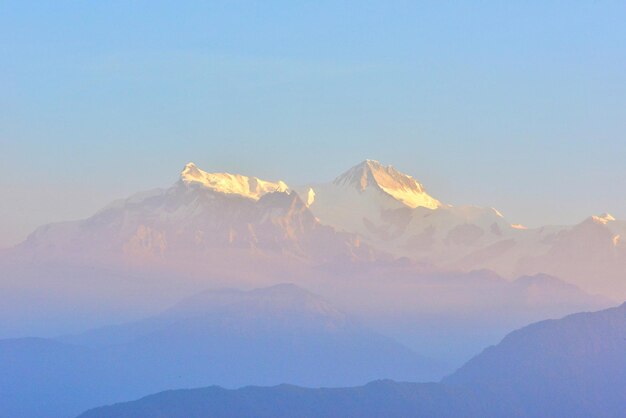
[371, 173]
[604, 219]
[250, 187]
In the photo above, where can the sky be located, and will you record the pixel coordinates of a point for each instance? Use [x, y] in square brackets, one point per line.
[516, 105]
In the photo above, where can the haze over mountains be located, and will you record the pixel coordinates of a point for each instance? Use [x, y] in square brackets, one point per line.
[393, 212]
[373, 230]
[209, 211]
[572, 367]
[193, 223]
[409, 288]
[371, 212]
[228, 337]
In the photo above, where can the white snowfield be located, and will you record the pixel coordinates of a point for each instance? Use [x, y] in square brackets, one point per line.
[250, 187]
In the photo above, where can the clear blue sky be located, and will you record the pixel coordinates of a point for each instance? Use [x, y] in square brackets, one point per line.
[518, 106]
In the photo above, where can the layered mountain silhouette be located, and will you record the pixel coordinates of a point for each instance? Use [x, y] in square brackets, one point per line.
[422, 280]
[373, 240]
[233, 338]
[572, 367]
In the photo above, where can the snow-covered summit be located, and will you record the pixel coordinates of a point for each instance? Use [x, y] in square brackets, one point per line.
[226, 183]
[406, 189]
[603, 219]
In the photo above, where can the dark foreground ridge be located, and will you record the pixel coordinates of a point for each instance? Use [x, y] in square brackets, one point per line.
[383, 398]
[572, 367]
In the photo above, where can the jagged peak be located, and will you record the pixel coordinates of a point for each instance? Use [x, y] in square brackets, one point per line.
[226, 183]
[402, 187]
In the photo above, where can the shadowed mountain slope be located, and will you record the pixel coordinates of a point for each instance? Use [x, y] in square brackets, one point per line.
[232, 338]
[572, 367]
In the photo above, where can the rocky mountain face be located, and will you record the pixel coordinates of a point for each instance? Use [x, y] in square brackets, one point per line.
[206, 222]
[203, 218]
[392, 211]
[372, 231]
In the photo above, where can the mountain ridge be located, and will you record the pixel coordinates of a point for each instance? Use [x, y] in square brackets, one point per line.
[207, 219]
[574, 369]
[231, 337]
[226, 183]
[400, 186]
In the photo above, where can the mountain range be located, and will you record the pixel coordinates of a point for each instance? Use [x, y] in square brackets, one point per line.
[206, 222]
[572, 367]
[458, 277]
[393, 212]
[409, 287]
[229, 337]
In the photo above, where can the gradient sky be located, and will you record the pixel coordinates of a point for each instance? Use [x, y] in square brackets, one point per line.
[521, 107]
